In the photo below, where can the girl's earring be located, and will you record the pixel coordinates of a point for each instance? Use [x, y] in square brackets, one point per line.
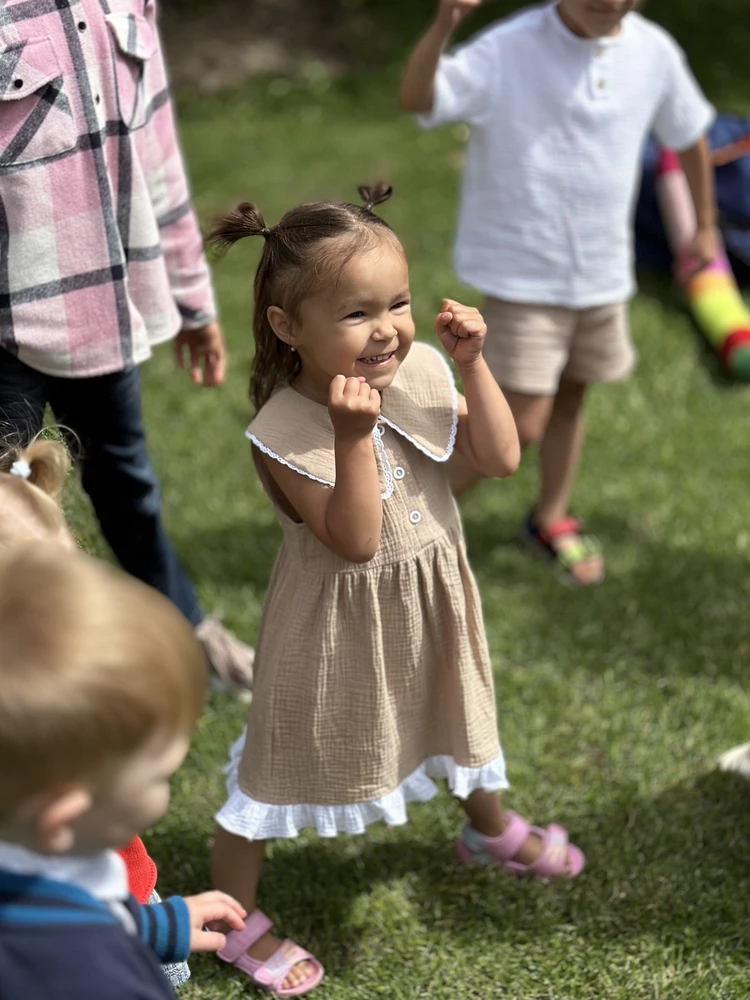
[293, 349]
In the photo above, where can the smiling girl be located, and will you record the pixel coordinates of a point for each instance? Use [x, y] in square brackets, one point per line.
[372, 672]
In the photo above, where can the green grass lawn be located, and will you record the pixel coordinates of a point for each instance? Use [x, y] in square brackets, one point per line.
[613, 703]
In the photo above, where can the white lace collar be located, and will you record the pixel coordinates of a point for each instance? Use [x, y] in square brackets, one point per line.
[421, 405]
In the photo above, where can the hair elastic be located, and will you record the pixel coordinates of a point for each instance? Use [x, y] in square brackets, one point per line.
[21, 469]
[265, 232]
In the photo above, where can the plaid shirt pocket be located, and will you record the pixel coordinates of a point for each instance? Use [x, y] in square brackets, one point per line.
[134, 42]
[36, 120]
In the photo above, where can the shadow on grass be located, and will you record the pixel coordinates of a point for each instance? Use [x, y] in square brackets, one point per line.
[673, 868]
[676, 610]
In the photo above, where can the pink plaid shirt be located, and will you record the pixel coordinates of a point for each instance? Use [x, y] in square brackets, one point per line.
[100, 252]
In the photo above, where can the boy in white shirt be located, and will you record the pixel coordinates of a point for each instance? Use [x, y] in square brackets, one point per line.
[560, 98]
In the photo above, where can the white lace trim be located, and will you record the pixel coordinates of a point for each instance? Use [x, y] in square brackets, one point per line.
[454, 421]
[379, 447]
[282, 461]
[253, 820]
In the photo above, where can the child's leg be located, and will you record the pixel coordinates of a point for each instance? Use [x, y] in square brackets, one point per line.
[560, 453]
[486, 814]
[600, 350]
[557, 424]
[236, 866]
[526, 349]
[530, 413]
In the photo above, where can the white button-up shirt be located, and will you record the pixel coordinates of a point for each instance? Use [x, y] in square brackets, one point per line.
[553, 163]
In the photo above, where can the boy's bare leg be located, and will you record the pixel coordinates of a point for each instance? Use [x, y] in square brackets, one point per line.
[560, 454]
[557, 422]
[530, 413]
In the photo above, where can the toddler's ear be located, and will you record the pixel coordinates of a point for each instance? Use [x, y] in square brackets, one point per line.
[56, 819]
[281, 324]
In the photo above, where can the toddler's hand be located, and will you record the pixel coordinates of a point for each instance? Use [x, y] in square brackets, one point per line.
[354, 407]
[208, 911]
[461, 330]
[452, 12]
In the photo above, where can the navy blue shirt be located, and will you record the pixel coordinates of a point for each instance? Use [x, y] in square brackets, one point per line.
[57, 942]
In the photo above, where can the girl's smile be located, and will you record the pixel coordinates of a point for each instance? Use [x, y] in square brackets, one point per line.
[380, 361]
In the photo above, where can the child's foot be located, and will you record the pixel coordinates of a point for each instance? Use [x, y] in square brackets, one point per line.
[522, 849]
[279, 967]
[577, 554]
[265, 948]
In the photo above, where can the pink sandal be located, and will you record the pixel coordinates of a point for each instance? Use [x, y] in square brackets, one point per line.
[268, 975]
[559, 858]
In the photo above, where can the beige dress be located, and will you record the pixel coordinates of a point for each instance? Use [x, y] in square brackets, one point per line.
[370, 680]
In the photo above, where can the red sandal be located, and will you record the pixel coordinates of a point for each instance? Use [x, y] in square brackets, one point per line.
[541, 540]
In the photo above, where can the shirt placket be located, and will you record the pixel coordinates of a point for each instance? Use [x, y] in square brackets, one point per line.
[600, 72]
[91, 66]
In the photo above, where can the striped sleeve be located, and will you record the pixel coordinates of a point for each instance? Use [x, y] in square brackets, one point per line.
[165, 927]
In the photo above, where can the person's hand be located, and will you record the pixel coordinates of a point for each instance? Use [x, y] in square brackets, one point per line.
[461, 330]
[209, 911]
[699, 253]
[205, 351]
[354, 407]
[452, 12]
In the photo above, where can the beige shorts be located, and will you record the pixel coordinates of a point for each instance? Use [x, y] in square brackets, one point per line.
[530, 348]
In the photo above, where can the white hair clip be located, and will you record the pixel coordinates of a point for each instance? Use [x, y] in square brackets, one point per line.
[21, 469]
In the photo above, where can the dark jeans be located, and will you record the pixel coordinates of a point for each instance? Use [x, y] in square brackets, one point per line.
[105, 413]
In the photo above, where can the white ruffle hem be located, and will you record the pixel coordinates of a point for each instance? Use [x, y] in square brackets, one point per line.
[254, 820]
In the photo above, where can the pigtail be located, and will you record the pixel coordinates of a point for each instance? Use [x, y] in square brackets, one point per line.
[47, 463]
[244, 220]
[50, 464]
[274, 362]
[375, 195]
